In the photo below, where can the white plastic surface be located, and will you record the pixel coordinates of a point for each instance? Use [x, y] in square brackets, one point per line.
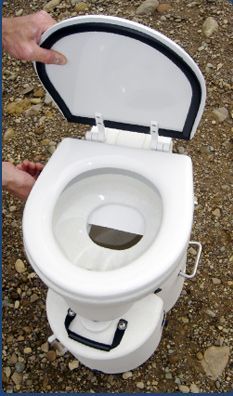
[139, 341]
[171, 175]
[122, 78]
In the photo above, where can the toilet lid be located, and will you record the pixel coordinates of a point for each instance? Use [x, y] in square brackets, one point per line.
[130, 74]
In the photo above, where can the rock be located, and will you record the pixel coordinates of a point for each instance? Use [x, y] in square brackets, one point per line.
[19, 266]
[168, 375]
[163, 8]
[19, 367]
[51, 356]
[199, 356]
[184, 389]
[217, 212]
[216, 281]
[17, 303]
[13, 358]
[45, 347]
[27, 350]
[18, 107]
[51, 5]
[8, 372]
[209, 26]
[211, 313]
[127, 374]
[35, 100]
[34, 110]
[140, 385]
[39, 93]
[27, 90]
[147, 7]
[220, 114]
[8, 135]
[81, 7]
[34, 297]
[17, 378]
[185, 320]
[215, 360]
[73, 364]
[47, 99]
[19, 12]
[194, 388]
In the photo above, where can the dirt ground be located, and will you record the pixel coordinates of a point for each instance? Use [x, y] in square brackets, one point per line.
[202, 317]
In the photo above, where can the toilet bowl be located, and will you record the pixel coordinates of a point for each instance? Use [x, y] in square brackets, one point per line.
[108, 222]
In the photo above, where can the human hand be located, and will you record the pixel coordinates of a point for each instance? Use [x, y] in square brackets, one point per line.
[21, 36]
[19, 180]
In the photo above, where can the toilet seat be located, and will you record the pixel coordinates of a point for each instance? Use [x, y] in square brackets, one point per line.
[133, 79]
[73, 157]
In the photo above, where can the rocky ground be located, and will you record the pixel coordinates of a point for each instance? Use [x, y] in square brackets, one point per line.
[194, 354]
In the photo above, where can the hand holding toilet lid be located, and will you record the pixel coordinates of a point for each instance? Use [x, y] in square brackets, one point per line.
[129, 73]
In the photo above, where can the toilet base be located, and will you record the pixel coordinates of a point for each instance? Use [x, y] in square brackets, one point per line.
[143, 333]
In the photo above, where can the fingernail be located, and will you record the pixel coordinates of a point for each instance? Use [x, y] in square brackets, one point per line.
[60, 60]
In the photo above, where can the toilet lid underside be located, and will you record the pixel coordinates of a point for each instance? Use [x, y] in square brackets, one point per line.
[125, 72]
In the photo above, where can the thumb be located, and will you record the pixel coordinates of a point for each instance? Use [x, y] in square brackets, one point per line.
[49, 56]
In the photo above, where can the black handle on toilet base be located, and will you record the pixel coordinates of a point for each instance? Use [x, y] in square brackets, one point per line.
[120, 330]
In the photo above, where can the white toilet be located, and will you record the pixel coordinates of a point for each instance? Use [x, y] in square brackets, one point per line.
[107, 225]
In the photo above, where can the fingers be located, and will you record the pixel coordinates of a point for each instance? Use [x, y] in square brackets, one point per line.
[48, 56]
[32, 168]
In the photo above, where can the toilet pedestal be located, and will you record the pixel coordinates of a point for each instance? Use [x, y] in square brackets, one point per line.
[142, 335]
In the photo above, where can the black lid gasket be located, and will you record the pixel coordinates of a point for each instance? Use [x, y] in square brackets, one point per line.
[146, 39]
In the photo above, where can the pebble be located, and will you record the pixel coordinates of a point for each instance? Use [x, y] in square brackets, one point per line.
[18, 107]
[74, 364]
[39, 93]
[19, 12]
[17, 303]
[220, 114]
[199, 356]
[27, 350]
[168, 375]
[211, 313]
[217, 212]
[35, 100]
[20, 266]
[147, 7]
[17, 378]
[185, 320]
[163, 8]
[19, 367]
[181, 150]
[216, 281]
[215, 360]
[9, 134]
[184, 389]
[27, 89]
[51, 5]
[8, 372]
[81, 7]
[45, 347]
[34, 297]
[33, 110]
[194, 388]
[13, 358]
[209, 27]
[140, 385]
[47, 99]
[127, 375]
[51, 356]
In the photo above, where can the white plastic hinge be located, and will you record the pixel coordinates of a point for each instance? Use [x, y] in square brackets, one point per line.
[154, 132]
[97, 133]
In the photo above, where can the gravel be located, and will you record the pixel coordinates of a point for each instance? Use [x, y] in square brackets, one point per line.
[202, 318]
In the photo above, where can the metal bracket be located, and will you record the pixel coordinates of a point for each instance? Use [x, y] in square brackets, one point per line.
[190, 276]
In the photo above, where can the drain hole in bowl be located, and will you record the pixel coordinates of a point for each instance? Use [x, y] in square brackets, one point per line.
[113, 239]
